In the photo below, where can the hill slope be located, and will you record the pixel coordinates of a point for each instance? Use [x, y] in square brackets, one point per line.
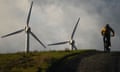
[32, 62]
[61, 61]
[89, 62]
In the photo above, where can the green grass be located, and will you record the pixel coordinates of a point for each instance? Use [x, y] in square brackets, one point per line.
[32, 62]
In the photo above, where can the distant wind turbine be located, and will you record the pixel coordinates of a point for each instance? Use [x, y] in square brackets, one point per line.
[28, 31]
[71, 41]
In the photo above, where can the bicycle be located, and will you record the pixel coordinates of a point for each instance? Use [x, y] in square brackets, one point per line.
[106, 46]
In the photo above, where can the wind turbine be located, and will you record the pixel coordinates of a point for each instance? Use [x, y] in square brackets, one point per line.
[71, 41]
[28, 32]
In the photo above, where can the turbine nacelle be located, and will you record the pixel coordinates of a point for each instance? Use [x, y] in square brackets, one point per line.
[27, 29]
[71, 42]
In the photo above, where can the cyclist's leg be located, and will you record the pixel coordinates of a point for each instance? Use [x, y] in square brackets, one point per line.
[109, 43]
[105, 44]
[109, 40]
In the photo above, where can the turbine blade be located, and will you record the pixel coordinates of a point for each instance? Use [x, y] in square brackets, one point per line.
[13, 33]
[73, 33]
[28, 19]
[58, 43]
[37, 39]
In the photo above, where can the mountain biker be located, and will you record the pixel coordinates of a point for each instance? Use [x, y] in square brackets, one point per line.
[107, 32]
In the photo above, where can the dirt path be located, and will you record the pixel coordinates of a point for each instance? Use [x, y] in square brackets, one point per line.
[69, 63]
[116, 62]
[88, 62]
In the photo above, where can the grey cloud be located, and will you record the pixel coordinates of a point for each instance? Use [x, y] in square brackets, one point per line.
[106, 11]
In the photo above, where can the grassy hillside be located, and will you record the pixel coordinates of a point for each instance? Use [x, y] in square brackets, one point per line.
[32, 62]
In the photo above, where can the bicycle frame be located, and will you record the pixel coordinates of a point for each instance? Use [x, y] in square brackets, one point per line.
[106, 46]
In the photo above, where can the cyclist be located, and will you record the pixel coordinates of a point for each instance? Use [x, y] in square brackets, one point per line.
[107, 32]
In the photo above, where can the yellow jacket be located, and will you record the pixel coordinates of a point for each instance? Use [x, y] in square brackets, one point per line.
[107, 31]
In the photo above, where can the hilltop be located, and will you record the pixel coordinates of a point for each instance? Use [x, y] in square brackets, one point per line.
[61, 61]
[32, 62]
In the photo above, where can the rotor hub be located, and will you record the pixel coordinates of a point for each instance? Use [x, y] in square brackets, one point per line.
[72, 42]
[27, 28]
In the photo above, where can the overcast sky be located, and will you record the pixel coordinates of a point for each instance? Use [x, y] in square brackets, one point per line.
[53, 21]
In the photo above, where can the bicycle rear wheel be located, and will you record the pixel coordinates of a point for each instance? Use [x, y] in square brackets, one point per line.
[106, 46]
